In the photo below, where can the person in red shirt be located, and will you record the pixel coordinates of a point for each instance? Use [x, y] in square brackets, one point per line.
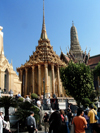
[79, 121]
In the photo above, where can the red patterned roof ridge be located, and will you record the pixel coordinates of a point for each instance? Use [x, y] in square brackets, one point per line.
[94, 60]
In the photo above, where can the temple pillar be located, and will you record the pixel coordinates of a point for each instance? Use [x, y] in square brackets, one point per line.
[2, 79]
[20, 75]
[21, 78]
[58, 79]
[33, 79]
[53, 83]
[25, 81]
[39, 80]
[9, 82]
[46, 80]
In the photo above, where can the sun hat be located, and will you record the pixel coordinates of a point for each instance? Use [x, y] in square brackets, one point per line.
[1, 111]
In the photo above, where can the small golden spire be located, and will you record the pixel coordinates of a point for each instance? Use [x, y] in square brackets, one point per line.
[43, 34]
[43, 27]
[72, 23]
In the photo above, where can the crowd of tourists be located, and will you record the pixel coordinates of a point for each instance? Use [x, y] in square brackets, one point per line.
[59, 121]
[62, 121]
[82, 120]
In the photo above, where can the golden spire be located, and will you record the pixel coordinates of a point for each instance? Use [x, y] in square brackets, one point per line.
[43, 34]
[72, 23]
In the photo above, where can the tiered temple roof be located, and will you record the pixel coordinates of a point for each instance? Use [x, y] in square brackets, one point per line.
[75, 53]
[44, 51]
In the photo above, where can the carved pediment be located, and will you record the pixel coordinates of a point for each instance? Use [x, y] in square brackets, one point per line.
[5, 62]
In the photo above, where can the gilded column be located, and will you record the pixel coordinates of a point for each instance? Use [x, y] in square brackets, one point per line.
[39, 79]
[58, 79]
[20, 75]
[21, 78]
[53, 83]
[33, 78]
[25, 81]
[46, 78]
[0, 79]
[9, 88]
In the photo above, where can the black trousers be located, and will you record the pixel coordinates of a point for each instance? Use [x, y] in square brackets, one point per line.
[30, 129]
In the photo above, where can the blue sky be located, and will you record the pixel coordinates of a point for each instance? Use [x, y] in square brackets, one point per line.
[22, 24]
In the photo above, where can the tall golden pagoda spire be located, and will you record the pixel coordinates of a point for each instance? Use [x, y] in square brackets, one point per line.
[43, 33]
[1, 41]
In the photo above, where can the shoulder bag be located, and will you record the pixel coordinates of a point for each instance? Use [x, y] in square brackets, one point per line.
[96, 117]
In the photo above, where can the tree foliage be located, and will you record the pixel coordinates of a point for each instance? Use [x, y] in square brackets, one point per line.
[34, 96]
[77, 80]
[7, 102]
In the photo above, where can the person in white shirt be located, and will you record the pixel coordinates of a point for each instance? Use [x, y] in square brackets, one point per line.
[48, 103]
[39, 103]
[7, 125]
[28, 99]
[2, 122]
[1, 114]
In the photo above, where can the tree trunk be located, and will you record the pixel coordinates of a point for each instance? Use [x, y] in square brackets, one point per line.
[6, 111]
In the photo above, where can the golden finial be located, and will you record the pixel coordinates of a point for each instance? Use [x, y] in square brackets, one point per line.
[60, 49]
[68, 47]
[72, 23]
[86, 48]
[89, 50]
[11, 62]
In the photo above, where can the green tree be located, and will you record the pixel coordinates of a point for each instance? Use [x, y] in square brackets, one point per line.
[77, 81]
[7, 102]
[34, 96]
[96, 72]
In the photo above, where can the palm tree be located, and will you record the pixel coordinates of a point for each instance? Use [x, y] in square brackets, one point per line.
[7, 102]
[23, 111]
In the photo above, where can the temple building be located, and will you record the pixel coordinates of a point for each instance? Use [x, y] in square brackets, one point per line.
[75, 53]
[93, 62]
[8, 77]
[41, 73]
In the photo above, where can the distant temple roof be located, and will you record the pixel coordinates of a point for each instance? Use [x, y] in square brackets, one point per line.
[93, 61]
[75, 53]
